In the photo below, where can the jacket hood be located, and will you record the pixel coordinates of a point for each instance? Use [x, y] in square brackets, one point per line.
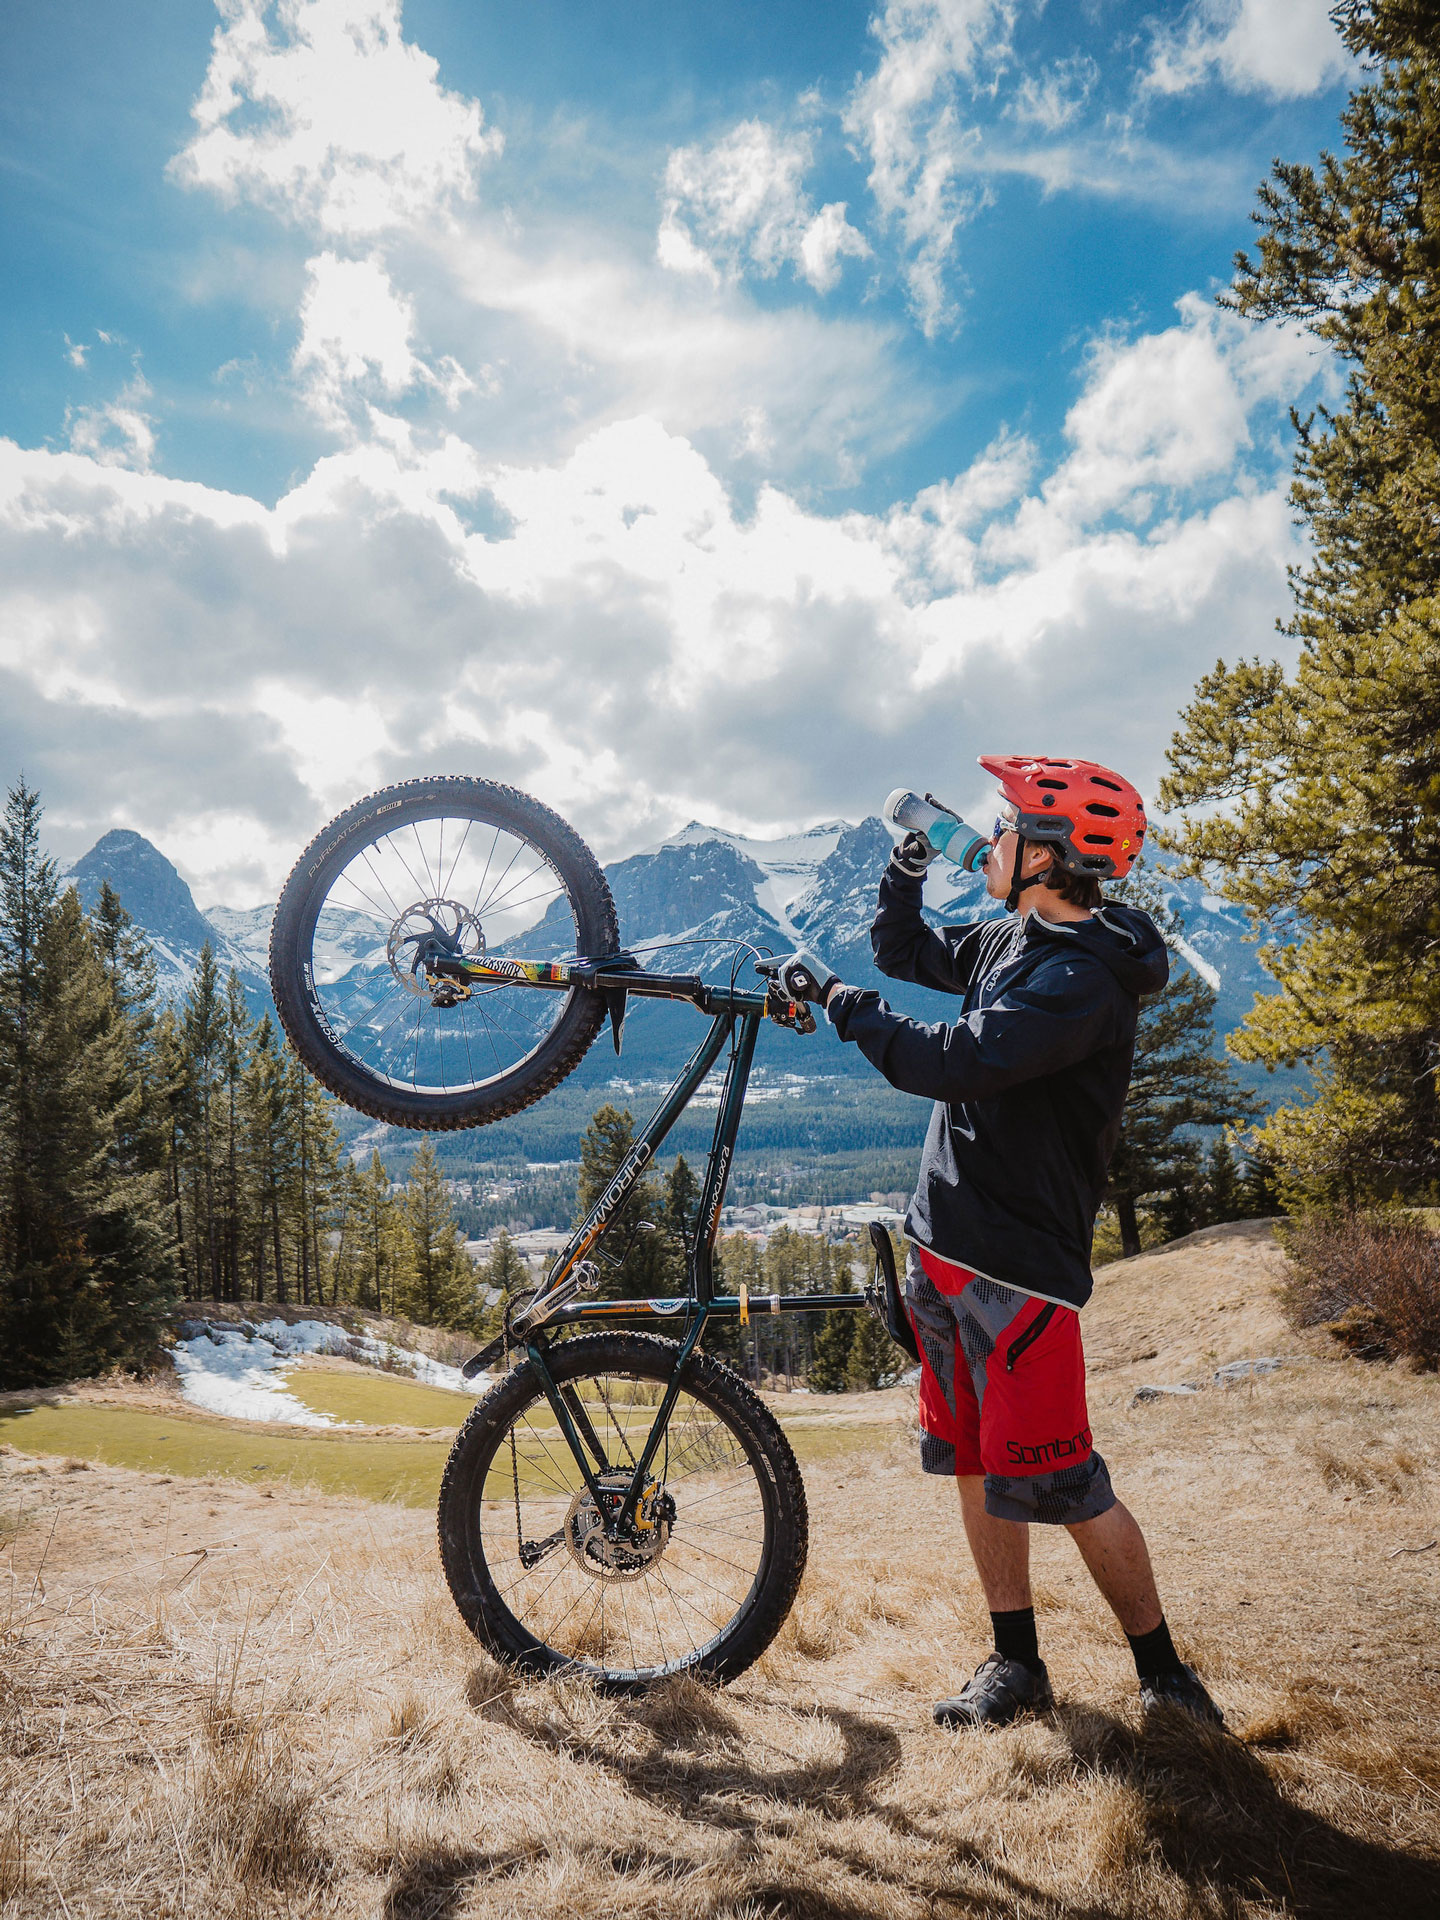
[1124, 938]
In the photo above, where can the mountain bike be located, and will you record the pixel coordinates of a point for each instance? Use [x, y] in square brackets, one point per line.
[619, 1504]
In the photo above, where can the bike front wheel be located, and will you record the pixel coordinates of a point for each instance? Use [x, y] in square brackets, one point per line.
[703, 1580]
[480, 870]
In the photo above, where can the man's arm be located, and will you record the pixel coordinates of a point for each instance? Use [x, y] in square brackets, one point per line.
[906, 948]
[1039, 1028]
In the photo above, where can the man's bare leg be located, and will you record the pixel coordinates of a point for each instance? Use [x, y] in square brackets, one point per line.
[1113, 1548]
[1013, 1680]
[999, 1548]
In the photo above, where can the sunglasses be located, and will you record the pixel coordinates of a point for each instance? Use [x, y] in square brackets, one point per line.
[1002, 827]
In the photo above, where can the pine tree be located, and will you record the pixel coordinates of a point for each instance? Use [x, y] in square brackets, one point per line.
[632, 1255]
[266, 1116]
[438, 1288]
[313, 1187]
[1225, 1197]
[376, 1230]
[834, 1342]
[677, 1215]
[1314, 796]
[738, 1263]
[85, 1276]
[504, 1274]
[1179, 1082]
[232, 1199]
[202, 1030]
[875, 1360]
[130, 1236]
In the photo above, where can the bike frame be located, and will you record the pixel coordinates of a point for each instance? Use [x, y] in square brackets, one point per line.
[735, 1018]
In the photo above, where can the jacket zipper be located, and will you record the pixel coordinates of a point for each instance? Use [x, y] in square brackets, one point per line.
[1031, 1334]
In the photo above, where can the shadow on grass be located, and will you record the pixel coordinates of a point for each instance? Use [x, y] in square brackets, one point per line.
[1214, 1814]
[1209, 1815]
[430, 1884]
[680, 1749]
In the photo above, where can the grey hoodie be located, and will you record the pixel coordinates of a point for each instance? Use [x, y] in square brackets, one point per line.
[1029, 1082]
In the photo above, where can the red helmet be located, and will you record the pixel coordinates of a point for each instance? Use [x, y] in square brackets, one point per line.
[1092, 819]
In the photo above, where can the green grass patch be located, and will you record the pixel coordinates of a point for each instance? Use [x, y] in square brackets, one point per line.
[404, 1471]
[378, 1399]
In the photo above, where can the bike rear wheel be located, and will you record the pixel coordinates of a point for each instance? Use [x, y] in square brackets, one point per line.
[480, 867]
[704, 1581]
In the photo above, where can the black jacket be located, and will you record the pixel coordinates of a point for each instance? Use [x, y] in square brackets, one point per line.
[1029, 1082]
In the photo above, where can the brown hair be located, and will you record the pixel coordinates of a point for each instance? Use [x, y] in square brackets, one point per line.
[1078, 889]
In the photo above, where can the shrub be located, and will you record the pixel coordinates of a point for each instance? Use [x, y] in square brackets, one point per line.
[1370, 1279]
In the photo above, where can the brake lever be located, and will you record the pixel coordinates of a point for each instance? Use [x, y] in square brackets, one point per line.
[786, 1012]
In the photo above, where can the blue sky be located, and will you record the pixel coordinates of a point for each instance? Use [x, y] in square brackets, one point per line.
[679, 411]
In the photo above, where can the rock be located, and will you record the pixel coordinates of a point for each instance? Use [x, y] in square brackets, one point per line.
[1236, 1370]
[1142, 1394]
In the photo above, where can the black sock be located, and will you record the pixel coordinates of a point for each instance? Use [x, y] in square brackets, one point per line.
[1154, 1651]
[1015, 1637]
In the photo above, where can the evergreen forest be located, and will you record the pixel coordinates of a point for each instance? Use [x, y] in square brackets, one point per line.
[152, 1154]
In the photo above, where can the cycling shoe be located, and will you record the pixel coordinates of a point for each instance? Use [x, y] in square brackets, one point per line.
[1183, 1689]
[1001, 1691]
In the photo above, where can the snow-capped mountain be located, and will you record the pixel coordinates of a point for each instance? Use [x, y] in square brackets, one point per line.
[692, 904]
[163, 908]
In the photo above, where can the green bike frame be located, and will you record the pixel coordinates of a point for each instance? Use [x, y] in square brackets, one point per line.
[735, 1018]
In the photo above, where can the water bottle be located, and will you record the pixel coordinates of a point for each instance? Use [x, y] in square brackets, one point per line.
[945, 831]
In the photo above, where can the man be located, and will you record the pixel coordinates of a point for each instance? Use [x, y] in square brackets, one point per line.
[1029, 1085]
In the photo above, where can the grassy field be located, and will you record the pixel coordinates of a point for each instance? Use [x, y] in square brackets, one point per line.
[377, 1399]
[222, 1696]
[370, 1468]
[402, 1468]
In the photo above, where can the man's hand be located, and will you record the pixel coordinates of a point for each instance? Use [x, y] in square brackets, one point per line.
[913, 855]
[804, 978]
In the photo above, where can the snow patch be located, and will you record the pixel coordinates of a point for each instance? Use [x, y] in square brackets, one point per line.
[788, 863]
[1202, 967]
[237, 1371]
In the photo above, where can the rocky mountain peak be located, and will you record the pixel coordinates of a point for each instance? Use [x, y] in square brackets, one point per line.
[150, 889]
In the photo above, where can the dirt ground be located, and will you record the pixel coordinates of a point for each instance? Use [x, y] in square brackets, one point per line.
[222, 1699]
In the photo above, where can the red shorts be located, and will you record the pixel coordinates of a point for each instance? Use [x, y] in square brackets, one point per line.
[1002, 1393]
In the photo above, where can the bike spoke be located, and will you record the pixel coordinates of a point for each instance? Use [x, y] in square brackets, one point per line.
[361, 951]
[638, 1617]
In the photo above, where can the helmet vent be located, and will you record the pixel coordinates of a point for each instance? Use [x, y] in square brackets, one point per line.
[1099, 781]
[1102, 808]
[1060, 786]
[1098, 839]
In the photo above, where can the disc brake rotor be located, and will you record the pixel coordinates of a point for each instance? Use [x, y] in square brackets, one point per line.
[429, 931]
[638, 1548]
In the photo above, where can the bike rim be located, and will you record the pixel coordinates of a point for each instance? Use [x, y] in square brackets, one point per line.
[489, 889]
[625, 1623]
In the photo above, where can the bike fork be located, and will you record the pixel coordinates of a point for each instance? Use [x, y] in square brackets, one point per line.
[583, 1441]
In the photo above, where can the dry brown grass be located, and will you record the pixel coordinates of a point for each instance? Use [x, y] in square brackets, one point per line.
[217, 1703]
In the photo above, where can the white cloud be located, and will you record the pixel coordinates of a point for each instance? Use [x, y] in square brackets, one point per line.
[356, 339]
[741, 204]
[825, 241]
[1051, 99]
[353, 325]
[907, 117]
[637, 649]
[559, 582]
[333, 118]
[1283, 48]
[118, 432]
